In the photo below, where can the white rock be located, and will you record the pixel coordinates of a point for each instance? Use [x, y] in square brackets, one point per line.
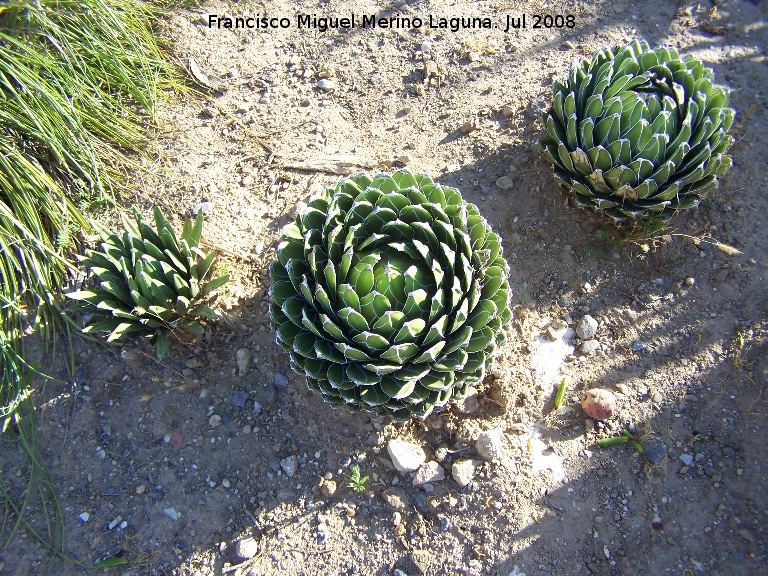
[489, 444]
[84, 517]
[326, 84]
[429, 472]
[243, 357]
[290, 465]
[405, 456]
[246, 548]
[586, 328]
[464, 470]
[589, 347]
[205, 207]
[172, 513]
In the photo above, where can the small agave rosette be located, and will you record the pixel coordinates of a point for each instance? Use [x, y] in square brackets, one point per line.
[638, 132]
[390, 294]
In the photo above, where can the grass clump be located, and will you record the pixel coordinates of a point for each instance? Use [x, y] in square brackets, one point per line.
[79, 82]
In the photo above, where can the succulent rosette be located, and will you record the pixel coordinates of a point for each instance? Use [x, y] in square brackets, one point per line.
[638, 132]
[390, 294]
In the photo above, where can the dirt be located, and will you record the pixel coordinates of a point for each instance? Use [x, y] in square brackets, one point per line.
[178, 472]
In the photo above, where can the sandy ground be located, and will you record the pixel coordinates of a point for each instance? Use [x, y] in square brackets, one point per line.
[187, 467]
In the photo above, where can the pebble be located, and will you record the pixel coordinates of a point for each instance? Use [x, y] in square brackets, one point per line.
[226, 483]
[686, 459]
[214, 421]
[171, 513]
[469, 404]
[468, 127]
[638, 346]
[84, 517]
[396, 499]
[246, 548]
[690, 282]
[429, 472]
[490, 443]
[328, 487]
[140, 489]
[505, 183]
[551, 334]
[239, 398]
[537, 107]
[326, 84]
[464, 471]
[281, 380]
[243, 357]
[290, 465]
[194, 362]
[268, 395]
[589, 347]
[404, 159]
[586, 328]
[405, 456]
[655, 450]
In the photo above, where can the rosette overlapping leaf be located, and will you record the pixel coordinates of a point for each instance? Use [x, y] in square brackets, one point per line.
[390, 294]
[638, 133]
[149, 281]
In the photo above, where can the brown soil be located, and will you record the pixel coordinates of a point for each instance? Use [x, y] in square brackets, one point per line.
[138, 439]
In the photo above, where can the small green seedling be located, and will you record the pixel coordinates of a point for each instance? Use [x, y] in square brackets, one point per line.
[560, 394]
[625, 437]
[356, 482]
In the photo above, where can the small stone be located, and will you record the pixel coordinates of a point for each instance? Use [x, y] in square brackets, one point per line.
[468, 127]
[140, 489]
[507, 110]
[419, 562]
[405, 456]
[429, 472]
[328, 487]
[537, 107]
[638, 346]
[239, 398]
[686, 459]
[247, 429]
[194, 362]
[246, 548]
[243, 357]
[326, 84]
[690, 282]
[589, 347]
[226, 483]
[176, 438]
[281, 380]
[586, 328]
[214, 421]
[396, 499]
[490, 443]
[655, 450]
[469, 403]
[171, 513]
[551, 334]
[84, 517]
[290, 465]
[463, 471]
[404, 159]
[441, 453]
[505, 183]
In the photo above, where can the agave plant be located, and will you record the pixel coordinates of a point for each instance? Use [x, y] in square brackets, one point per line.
[390, 294]
[149, 282]
[638, 132]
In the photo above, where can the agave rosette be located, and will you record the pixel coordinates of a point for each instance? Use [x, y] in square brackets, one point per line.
[149, 281]
[390, 294]
[638, 132]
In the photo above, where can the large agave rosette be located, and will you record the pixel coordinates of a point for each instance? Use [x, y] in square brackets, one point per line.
[638, 132]
[390, 294]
